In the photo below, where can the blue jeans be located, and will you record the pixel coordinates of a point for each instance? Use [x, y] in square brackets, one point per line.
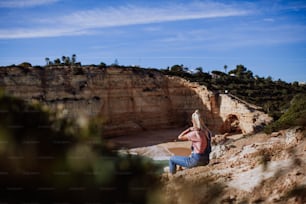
[192, 161]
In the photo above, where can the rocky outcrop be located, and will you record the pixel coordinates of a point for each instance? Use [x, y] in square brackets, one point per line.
[243, 116]
[259, 168]
[127, 99]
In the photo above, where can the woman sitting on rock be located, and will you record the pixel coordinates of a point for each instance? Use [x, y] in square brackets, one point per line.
[200, 137]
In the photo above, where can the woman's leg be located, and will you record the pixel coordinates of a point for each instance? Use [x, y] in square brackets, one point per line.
[178, 160]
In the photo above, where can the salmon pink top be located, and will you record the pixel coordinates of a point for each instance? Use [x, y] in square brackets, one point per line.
[199, 141]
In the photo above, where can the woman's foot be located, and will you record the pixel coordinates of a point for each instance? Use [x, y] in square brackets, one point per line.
[167, 169]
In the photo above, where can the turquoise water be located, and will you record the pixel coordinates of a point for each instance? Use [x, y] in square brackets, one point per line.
[161, 165]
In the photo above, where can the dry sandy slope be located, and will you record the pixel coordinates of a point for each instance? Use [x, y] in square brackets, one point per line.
[258, 168]
[253, 169]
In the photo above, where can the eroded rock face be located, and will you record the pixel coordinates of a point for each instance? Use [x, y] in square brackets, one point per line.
[250, 118]
[260, 167]
[128, 99]
[230, 125]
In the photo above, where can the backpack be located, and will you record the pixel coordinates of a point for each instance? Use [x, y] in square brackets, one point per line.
[208, 148]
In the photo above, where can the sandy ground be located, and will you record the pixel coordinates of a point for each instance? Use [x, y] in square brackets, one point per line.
[147, 138]
[253, 169]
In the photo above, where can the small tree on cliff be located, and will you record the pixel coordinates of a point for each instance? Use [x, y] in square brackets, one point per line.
[63, 59]
[242, 72]
[67, 61]
[25, 65]
[73, 59]
[102, 65]
[199, 70]
[240, 69]
[57, 61]
[47, 61]
[225, 68]
[177, 68]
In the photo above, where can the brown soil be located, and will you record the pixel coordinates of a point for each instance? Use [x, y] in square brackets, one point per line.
[254, 169]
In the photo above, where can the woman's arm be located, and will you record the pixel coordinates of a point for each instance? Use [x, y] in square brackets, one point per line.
[183, 136]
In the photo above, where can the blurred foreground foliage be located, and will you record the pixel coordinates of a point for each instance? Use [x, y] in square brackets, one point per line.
[47, 158]
[295, 115]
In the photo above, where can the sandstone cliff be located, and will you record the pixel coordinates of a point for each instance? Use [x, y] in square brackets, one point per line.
[130, 99]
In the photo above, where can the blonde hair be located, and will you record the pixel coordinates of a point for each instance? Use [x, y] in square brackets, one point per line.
[198, 121]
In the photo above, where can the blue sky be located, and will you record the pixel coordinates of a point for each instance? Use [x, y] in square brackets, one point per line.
[268, 37]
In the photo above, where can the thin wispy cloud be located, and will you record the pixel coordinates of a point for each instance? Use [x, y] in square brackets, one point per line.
[39, 33]
[269, 19]
[89, 20]
[239, 36]
[133, 15]
[24, 3]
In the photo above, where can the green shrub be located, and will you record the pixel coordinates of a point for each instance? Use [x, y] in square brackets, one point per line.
[294, 116]
[273, 96]
[25, 65]
[49, 159]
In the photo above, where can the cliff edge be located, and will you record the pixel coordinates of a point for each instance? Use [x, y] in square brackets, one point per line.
[130, 99]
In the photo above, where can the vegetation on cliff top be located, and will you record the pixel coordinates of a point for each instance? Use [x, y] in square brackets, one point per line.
[273, 96]
[285, 102]
[294, 116]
